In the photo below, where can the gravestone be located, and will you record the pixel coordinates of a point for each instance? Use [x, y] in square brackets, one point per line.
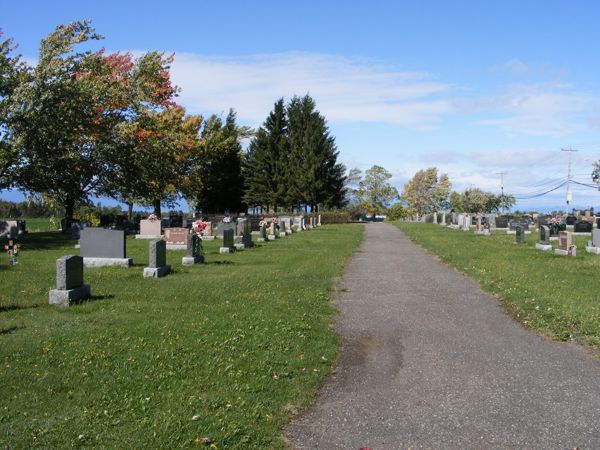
[513, 224]
[69, 282]
[102, 247]
[435, 218]
[282, 228]
[519, 234]
[565, 245]
[194, 251]
[222, 226]
[255, 223]
[582, 226]
[594, 245]
[319, 220]
[443, 223]
[206, 234]
[466, 225]
[570, 220]
[262, 233]
[228, 246]
[239, 227]
[543, 243]
[502, 222]
[176, 238]
[272, 230]
[247, 235]
[490, 220]
[150, 229]
[157, 260]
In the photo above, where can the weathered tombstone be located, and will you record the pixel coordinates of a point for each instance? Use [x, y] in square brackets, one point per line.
[582, 226]
[228, 246]
[435, 221]
[150, 229]
[177, 238]
[224, 225]
[443, 222]
[319, 220]
[262, 233]
[543, 243]
[239, 227]
[272, 230]
[502, 222]
[594, 245]
[282, 228]
[247, 235]
[102, 247]
[466, 223]
[519, 234]
[157, 260]
[565, 245]
[69, 282]
[194, 251]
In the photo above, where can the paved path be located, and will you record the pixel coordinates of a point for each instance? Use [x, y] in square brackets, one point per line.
[430, 361]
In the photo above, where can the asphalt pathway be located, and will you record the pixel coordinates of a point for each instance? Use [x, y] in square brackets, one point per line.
[430, 361]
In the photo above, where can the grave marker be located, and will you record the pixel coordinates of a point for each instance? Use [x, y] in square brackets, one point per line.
[194, 251]
[157, 260]
[69, 282]
[228, 246]
[102, 247]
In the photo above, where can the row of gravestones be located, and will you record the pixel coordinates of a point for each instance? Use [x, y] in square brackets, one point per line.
[99, 247]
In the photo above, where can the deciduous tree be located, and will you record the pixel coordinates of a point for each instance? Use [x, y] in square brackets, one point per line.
[426, 192]
[375, 192]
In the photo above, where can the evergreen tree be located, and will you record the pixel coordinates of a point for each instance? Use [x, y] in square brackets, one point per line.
[265, 163]
[316, 176]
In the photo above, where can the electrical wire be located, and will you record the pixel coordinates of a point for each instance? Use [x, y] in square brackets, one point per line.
[528, 197]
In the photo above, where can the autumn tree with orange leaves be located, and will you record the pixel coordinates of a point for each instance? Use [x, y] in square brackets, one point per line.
[67, 117]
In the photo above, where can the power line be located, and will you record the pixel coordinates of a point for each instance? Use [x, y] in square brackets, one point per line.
[528, 197]
[569, 194]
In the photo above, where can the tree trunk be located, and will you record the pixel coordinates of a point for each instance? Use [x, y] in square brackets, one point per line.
[69, 210]
[129, 211]
[156, 205]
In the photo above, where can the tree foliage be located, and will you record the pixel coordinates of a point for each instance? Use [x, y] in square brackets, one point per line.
[475, 200]
[427, 192]
[374, 192]
[292, 161]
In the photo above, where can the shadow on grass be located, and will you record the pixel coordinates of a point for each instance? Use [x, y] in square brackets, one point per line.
[93, 298]
[219, 262]
[9, 330]
[6, 308]
[47, 240]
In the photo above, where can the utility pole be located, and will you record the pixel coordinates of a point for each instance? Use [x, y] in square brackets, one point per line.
[569, 193]
[501, 181]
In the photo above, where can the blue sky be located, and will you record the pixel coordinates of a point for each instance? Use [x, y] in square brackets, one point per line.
[473, 88]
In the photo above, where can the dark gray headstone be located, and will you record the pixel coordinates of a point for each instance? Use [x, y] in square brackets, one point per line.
[228, 238]
[544, 235]
[247, 235]
[222, 226]
[513, 224]
[501, 222]
[157, 253]
[69, 272]
[520, 234]
[262, 232]
[583, 226]
[102, 243]
[570, 220]
[194, 245]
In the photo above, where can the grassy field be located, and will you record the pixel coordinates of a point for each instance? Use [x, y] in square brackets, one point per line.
[38, 225]
[556, 295]
[227, 350]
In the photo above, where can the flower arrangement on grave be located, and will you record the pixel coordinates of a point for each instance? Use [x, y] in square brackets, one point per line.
[273, 219]
[262, 223]
[555, 225]
[152, 217]
[226, 219]
[198, 227]
[12, 250]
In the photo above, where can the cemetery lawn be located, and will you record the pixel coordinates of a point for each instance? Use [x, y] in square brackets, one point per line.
[227, 350]
[556, 295]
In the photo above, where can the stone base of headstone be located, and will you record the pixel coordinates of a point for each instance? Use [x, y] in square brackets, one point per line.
[101, 262]
[271, 237]
[156, 272]
[593, 250]
[223, 250]
[514, 232]
[282, 234]
[482, 232]
[66, 297]
[148, 236]
[77, 246]
[309, 227]
[176, 247]
[561, 252]
[290, 231]
[239, 246]
[553, 238]
[453, 226]
[543, 247]
[260, 240]
[500, 229]
[208, 238]
[579, 233]
[191, 260]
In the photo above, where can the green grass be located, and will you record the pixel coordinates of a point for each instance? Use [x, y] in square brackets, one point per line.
[239, 344]
[556, 295]
[41, 224]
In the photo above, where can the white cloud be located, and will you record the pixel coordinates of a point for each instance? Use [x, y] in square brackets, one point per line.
[537, 109]
[345, 89]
